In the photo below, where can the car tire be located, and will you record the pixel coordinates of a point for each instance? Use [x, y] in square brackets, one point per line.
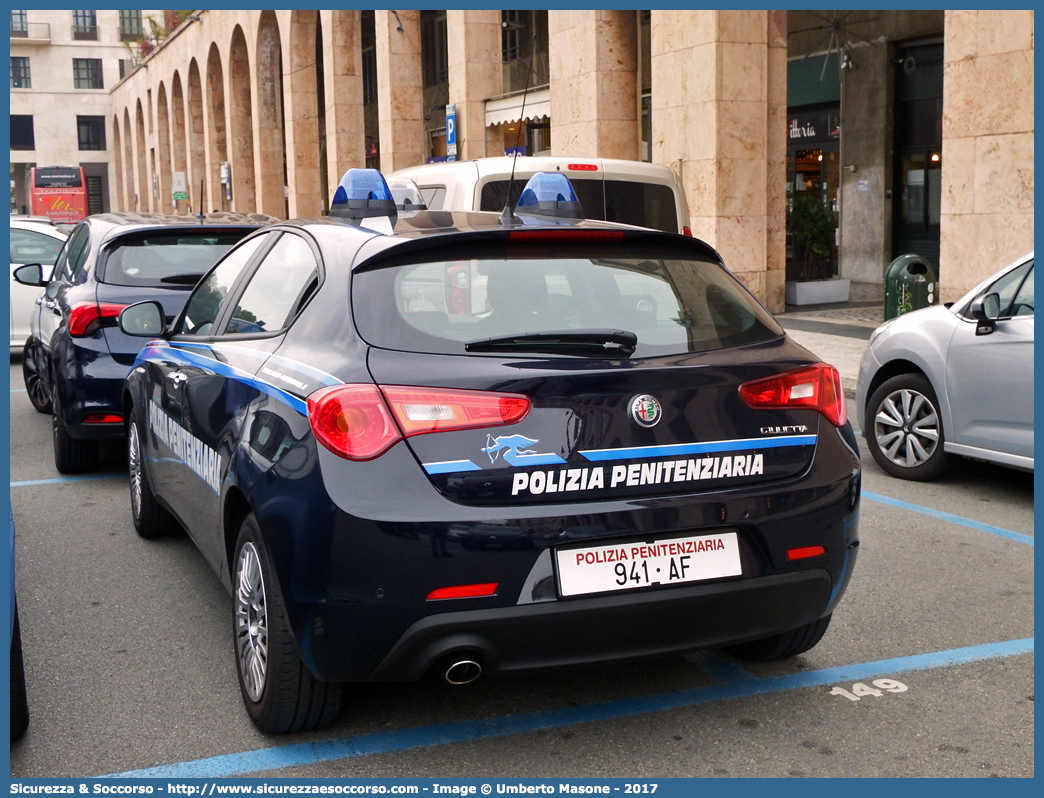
[32, 377]
[151, 520]
[280, 693]
[71, 455]
[788, 644]
[19, 702]
[904, 429]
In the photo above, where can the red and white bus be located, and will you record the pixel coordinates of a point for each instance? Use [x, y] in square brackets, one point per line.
[58, 192]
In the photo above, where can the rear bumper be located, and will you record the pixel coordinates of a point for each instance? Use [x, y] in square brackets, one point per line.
[611, 629]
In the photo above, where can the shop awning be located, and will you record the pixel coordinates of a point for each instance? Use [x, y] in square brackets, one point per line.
[509, 109]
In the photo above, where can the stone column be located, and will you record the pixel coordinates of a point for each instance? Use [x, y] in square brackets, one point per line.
[987, 158]
[475, 74]
[400, 94]
[301, 108]
[719, 119]
[342, 68]
[594, 72]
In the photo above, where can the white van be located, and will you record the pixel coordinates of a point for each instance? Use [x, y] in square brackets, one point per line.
[631, 192]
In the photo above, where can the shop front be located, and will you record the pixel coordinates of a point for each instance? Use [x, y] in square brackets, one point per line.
[813, 177]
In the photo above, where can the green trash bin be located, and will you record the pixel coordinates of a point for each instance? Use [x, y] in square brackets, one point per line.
[911, 283]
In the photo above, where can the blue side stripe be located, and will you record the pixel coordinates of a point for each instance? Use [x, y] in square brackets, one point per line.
[736, 684]
[954, 519]
[451, 466]
[186, 357]
[674, 450]
[296, 365]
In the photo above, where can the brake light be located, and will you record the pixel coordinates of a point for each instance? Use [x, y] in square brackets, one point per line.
[583, 167]
[352, 421]
[817, 387]
[464, 591]
[86, 317]
[687, 232]
[565, 235]
[361, 422]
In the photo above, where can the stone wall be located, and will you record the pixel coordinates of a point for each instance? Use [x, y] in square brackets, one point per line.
[987, 200]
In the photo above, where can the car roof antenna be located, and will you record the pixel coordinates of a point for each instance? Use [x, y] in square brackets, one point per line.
[507, 216]
[201, 216]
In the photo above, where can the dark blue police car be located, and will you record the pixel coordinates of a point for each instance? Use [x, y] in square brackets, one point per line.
[484, 443]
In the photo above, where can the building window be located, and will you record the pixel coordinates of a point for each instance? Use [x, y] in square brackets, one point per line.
[511, 24]
[130, 26]
[90, 131]
[22, 137]
[19, 25]
[20, 78]
[433, 47]
[87, 73]
[369, 69]
[85, 26]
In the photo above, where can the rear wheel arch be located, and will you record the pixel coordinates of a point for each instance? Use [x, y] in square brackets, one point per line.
[236, 508]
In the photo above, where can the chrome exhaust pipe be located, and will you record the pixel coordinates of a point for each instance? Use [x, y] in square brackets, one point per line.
[462, 671]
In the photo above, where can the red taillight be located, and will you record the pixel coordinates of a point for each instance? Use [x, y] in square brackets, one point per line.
[420, 410]
[361, 422]
[817, 387]
[102, 418]
[85, 317]
[464, 591]
[807, 551]
[566, 235]
[583, 167]
[352, 421]
[687, 232]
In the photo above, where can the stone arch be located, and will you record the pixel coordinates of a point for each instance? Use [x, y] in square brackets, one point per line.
[269, 146]
[142, 160]
[217, 140]
[241, 133]
[165, 202]
[197, 165]
[117, 150]
[178, 135]
[302, 109]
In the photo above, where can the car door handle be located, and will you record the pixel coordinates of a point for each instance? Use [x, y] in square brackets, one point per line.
[50, 304]
[177, 378]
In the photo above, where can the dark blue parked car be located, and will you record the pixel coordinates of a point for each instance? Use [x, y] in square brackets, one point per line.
[76, 358]
[474, 442]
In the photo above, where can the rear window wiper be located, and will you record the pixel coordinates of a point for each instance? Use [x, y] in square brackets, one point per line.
[608, 343]
[182, 279]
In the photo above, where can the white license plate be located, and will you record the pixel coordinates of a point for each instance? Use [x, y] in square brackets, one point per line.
[626, 566]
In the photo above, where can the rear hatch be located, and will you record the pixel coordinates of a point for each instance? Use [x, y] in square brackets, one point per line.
[628, 352]
[161, 265]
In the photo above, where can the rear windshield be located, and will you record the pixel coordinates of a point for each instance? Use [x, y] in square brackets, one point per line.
[673, 304]
[167, 259]
[626, 201]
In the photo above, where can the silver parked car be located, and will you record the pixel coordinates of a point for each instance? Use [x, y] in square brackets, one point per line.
[954, 380]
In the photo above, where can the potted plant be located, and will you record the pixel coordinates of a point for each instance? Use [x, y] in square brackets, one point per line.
[812, 228]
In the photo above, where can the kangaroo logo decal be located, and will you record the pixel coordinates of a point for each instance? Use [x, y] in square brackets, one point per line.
[517, 451]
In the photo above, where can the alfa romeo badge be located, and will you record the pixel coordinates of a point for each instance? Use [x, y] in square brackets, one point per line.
[644, 410]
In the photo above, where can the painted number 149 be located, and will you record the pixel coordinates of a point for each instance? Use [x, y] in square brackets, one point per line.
[859, 689]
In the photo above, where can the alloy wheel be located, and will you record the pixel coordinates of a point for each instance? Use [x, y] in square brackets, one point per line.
[906, 427]
[251, 622]
[135, 468]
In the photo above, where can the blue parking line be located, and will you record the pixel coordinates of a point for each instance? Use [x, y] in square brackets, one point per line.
[58, 480]
[19, 390]
[953, 519]
[735, 684]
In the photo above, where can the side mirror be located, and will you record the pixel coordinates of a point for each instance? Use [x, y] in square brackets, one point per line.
[142, 320]
[986, 310]
[31, 274]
